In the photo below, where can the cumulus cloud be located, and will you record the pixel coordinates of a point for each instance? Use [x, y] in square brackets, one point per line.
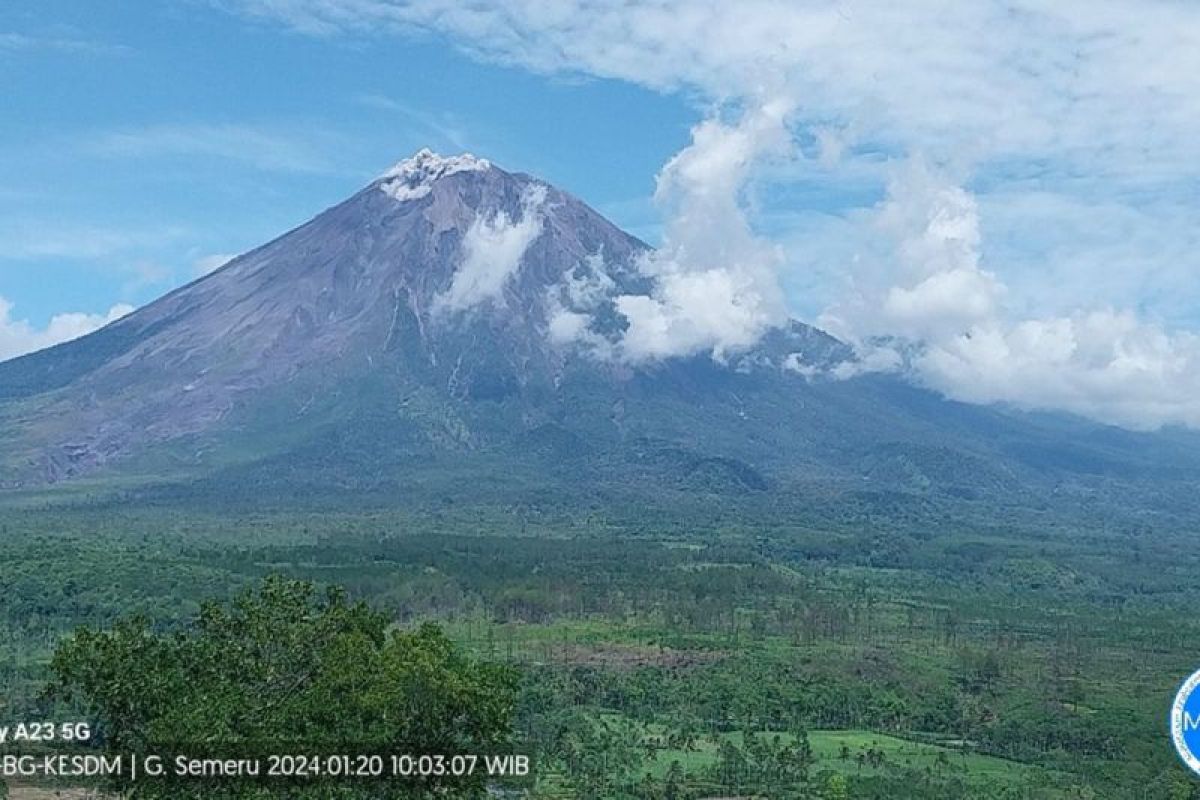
[715, 284]
[927, 280]
[1065, 227]
[945, 324]
[18, 336]
[566, 326]
[493, 248]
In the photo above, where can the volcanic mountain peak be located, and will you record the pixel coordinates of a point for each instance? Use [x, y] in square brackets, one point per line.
[476, 324]
[413, 178]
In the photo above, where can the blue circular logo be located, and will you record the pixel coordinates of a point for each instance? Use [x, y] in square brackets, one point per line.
[1185, 722]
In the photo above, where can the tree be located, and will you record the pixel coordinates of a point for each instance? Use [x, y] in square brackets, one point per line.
[836, 788]
[673, 783]
[284, 669]
[598, 753]
[1179, 788]
[731, 765]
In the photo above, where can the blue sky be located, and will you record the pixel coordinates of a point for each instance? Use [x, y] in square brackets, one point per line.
[1006, 188]
[139, 139]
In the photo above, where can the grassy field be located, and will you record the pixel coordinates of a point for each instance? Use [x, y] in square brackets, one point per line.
[828, 747]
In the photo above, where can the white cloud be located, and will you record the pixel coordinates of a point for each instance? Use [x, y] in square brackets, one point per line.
[1107, 365]
[18, 336]
[589, 284]
[715, 288]
[952, 298]
[571, 306]
[957, 337]
[714, 283]
[927, 281]
[567, 326]
[493, 248]
[1066, 127]
[978, 79]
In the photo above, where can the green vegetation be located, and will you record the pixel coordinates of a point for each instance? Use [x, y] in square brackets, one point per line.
[284, 672]
[663, 651]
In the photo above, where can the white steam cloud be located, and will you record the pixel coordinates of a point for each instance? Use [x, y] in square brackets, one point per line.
[492, 252]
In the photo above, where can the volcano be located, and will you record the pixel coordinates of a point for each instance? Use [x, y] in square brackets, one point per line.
[456, 324]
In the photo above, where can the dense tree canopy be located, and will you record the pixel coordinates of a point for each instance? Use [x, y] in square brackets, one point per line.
[285, 669]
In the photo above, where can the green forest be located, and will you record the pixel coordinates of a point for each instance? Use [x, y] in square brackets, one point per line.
[665, 649]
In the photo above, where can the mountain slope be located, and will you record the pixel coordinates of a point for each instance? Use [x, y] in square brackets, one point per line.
[412, 334]
[355, 286]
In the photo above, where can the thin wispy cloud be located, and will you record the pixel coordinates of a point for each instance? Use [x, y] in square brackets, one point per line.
[262, 148]
[120, 252]
[33, 239]
[441, 124]
[11, 42]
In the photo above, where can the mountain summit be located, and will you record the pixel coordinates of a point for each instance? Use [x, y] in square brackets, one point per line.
[413, 178]
[438, 272]
[454, 319]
